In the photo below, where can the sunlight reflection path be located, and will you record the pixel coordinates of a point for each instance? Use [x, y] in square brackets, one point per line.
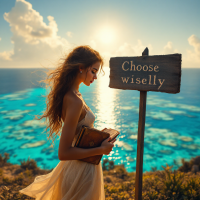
[106, 103]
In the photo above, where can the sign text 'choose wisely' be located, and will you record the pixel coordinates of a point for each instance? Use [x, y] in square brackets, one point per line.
[139, 80]
[146, 73]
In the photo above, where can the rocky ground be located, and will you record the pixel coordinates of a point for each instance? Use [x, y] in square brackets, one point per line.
[183, 183]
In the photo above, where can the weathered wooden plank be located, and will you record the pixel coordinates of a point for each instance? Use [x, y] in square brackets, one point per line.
[160, 73]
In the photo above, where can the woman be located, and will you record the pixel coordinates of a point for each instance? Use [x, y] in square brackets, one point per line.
[66, 111]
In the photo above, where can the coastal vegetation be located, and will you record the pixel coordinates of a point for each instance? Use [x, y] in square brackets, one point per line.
[183, 183]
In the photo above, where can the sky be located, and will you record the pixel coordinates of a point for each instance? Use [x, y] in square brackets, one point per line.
[39, 33]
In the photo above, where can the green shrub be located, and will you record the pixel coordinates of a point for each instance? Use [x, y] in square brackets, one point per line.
[3, 159]
[29, 164]
[107, 165]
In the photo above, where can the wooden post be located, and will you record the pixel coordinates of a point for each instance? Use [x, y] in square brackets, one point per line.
[140, 140]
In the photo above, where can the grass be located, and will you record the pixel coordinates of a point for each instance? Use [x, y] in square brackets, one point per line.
[166, 184]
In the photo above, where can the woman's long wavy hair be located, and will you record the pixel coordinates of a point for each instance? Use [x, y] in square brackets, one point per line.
[60, 82]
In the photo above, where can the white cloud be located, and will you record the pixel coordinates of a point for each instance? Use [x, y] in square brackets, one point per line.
[126, 49]
[34, 41]
[169, 49]
[192, 57]
[69, 34]
[194, 54]
[6, 55]
[132, 50]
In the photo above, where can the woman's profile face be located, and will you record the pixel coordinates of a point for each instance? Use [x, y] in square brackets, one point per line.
[91, 73]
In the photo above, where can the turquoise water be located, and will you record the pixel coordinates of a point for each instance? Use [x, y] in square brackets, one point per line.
[172, 130]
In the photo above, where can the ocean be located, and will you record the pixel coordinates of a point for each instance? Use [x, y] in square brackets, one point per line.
[172, 129]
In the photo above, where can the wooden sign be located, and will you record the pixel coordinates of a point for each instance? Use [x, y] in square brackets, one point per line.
[145, 73]
[161, 73]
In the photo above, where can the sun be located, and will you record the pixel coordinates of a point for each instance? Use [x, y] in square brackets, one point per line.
[106, 35]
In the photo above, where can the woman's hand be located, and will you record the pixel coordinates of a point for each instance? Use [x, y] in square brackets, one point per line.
[107, 146]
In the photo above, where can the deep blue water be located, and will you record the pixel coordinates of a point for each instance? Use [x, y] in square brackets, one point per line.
[172, 130]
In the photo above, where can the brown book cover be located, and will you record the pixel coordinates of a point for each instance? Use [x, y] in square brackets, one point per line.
[91, 137]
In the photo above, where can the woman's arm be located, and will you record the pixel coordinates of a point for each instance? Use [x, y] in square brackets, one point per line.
[75, 153]
[66, 151]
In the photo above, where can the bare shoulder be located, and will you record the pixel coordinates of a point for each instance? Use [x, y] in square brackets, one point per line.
[71, 100]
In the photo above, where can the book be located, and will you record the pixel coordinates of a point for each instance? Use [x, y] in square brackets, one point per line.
[91, 138]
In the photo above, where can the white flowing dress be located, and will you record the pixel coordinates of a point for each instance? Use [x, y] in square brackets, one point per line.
[70, 179]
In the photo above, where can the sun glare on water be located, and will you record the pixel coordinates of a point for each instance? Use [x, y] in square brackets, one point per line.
[106, 116]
